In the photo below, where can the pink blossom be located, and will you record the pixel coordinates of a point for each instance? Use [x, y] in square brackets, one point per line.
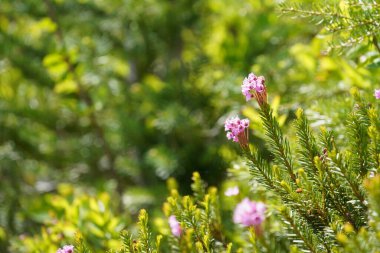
[254, 87]
[66, 249]
[232, 191]
[377, 93]
[235, 128]
[249, 213]
[175, 226]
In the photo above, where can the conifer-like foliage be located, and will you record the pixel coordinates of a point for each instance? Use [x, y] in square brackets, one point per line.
[322, 190]
[327, 194]
[349, 22]
[326, 190]
[202, 228]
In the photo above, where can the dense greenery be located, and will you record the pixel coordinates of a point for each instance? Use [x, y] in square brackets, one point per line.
[104, 102]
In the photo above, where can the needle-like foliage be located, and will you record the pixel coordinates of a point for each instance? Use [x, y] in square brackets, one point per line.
[349, 22]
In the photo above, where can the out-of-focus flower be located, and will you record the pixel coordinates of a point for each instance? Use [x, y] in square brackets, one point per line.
[249, 213]
[254, 87]
[232, 191]
[377, 93]
[175, 226]
[66, 249]
[237, 130]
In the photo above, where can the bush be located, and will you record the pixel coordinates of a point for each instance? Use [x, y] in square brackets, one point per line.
[325, 194]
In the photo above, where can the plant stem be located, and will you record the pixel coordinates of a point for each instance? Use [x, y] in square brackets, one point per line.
[275, 134]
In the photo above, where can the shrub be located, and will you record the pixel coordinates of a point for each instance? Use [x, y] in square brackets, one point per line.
[324, 192]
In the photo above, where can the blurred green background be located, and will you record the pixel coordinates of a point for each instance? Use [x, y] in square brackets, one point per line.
[101, 101]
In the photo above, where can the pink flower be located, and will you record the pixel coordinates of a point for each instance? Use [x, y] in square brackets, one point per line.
[236, 130]
[249, 213]
[254, 87]
[377, 93]
[175, 226]
[66, 249]
[232, 191]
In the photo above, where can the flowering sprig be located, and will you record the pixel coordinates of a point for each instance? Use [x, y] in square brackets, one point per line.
[254, 87]
[237, 130]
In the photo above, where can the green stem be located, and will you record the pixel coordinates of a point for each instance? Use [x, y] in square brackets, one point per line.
[275, 134]
[256, 164]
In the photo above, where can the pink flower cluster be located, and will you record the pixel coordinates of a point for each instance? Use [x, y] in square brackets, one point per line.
[253, 86]
[175, 226]
[377, 93]
[66, 249]
[235, 128]
[249, 213]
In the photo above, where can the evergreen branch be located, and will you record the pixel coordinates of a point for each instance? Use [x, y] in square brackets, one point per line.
[337, 164]
[360, 24]
[309, 148]
[354, 3]
[198, 186]
[206, 214]
[301, 230]
[338, 204]
[277, 142]
[341, 44]
[357, 129]
[127, 241]
[344, 191]
[80, 245]
[312, 13]
[260, 169]
[158, 244]
[372, 185]
[352, 26]
[174, 243]
[339, 195]
[374, 135]
[191, 220]
[263, 173]
[144, 234]
[215, 216]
